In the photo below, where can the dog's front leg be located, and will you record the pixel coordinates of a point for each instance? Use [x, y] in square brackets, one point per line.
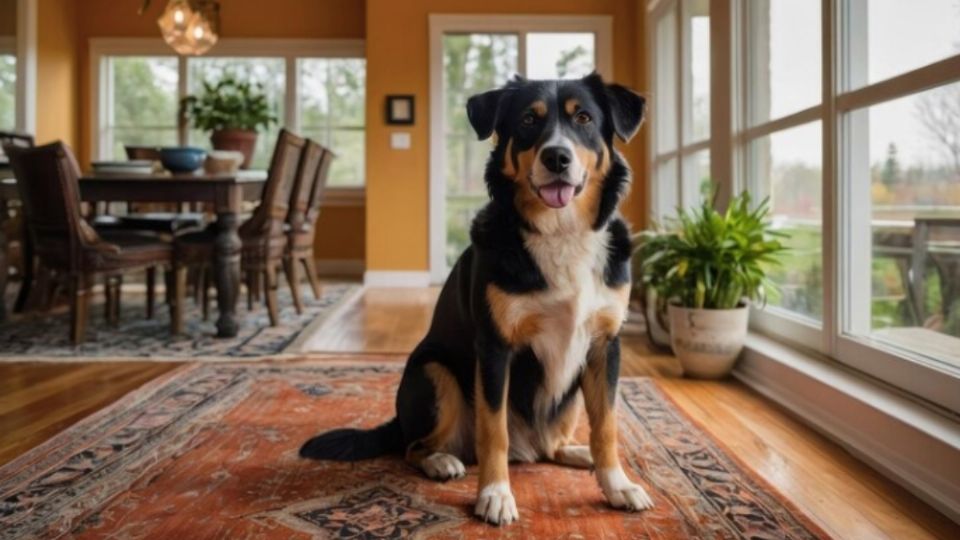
[495, 502]
[599, 385]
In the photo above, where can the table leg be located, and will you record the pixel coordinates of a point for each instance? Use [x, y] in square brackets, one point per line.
[226, 270]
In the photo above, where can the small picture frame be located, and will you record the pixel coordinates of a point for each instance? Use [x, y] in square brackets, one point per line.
[400, 111]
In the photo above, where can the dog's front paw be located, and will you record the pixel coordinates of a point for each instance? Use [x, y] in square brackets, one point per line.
[495, 504]
[621, 492]
[440, 466]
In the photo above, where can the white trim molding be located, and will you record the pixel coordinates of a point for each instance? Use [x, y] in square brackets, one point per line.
[913, 444]
[26, 49]
[600, 25]
[396, 278]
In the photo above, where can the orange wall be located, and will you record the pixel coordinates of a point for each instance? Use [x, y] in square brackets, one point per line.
[398, 63]
[56, 71]
[286, 19]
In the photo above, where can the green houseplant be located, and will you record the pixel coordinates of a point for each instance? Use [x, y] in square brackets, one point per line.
[232, 111]
[705, 270]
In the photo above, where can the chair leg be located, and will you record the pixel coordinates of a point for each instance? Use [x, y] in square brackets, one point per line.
[311, 268]
[79, 306]
[290, 269]
[179, 286]
[196, 277]
[205, 293]
[257, 282]
[151, 285]
[107, 299]
[270, 292]
[252, 279]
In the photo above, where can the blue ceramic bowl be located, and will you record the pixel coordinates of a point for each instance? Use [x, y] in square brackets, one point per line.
[182, 159]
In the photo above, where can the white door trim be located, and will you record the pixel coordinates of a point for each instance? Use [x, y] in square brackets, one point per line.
[26, 50]
[600, 25]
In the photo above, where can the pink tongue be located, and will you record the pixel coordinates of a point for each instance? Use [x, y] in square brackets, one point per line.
[557, 194]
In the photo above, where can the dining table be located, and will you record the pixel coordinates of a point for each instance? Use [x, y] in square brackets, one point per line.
[223, 192]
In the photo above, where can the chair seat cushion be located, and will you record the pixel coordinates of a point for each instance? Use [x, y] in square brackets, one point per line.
[121, 250]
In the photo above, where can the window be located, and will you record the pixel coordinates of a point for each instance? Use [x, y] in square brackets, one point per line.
[331, 110]
[315, 88]
[139, 102]
[681, 119]
[858, 151]
[8, 90]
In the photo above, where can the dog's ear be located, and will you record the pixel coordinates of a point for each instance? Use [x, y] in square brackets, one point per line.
[626, 108]
[483, 110]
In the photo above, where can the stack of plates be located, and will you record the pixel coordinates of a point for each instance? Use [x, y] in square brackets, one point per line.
[134, 166]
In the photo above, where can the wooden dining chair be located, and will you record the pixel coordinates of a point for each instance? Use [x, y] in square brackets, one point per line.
[305, 202]
[263, 235]
[47, 180]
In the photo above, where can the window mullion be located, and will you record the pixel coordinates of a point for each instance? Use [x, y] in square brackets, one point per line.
[182, 128]
[829, 175]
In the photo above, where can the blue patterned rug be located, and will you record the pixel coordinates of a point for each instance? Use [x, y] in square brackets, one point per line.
[45, 336]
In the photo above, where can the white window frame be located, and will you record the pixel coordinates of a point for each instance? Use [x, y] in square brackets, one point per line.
[730, 134]
[23, 45]
[601, 26]
[683, 149]
[290, 50]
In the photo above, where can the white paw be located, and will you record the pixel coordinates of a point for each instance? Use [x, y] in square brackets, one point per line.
[440, 466]
[621, 492]
[495, 504]
[574, 456]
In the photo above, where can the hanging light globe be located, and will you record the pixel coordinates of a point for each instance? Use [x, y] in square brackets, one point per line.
[190, 28]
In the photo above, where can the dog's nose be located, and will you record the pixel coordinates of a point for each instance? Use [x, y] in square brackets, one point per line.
[556, 158]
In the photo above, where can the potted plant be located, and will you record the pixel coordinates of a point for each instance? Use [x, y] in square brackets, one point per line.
[231, 110]
[705, 270]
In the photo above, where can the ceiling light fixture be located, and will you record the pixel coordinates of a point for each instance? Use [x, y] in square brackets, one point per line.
[190, 27]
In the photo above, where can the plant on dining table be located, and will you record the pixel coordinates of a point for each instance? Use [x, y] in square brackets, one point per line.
[232, 110]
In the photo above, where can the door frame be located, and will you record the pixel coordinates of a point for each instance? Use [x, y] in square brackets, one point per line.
[601, 26]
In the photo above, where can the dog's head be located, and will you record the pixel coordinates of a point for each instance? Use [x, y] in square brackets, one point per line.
[554, 143]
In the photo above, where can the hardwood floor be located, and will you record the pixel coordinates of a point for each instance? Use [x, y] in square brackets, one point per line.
[845, 497]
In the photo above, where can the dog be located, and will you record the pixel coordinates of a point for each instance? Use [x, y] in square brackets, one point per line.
[530, 315]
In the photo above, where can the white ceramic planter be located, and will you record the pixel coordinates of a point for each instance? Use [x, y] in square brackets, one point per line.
[707, 341]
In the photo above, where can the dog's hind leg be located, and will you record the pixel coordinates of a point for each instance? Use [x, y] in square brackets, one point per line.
[434, 452]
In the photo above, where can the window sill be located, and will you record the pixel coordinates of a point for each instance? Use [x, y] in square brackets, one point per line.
[910, 442]
[344, 197]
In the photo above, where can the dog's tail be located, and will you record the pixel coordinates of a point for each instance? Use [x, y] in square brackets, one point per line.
[355, 444]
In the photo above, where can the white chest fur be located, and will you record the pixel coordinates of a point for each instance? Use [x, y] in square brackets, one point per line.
[560, 323]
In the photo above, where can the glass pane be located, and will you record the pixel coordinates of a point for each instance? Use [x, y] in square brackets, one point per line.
[696, 101]
[666, 83]
[8, 92]
[787, 167]
[667, 189]
[566, 55]
[696, 178]
[472, 63]
[897, 36]
[911, 155]
[141, 105]
[784, 47]
[269, 72]
[331, 110]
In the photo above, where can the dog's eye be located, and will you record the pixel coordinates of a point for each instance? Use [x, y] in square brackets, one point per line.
[528, 119]
[582, 118]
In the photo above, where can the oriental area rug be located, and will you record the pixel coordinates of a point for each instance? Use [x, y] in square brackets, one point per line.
[210, 451]
[45, 336]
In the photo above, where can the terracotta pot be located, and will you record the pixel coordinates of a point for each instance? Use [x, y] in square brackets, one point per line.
[241, 140]
[707, 341]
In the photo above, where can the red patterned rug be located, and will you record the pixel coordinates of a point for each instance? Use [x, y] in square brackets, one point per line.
[210, 451]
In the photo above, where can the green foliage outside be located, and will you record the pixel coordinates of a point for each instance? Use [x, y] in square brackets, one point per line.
[711, 260]
[8, 91]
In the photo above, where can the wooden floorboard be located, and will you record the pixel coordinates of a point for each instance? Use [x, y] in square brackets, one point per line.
[844, 496]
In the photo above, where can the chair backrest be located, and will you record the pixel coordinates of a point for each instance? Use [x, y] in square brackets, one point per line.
[269, 216]
[310, 161]
[48, 183]
[319, 185]
[19, 140]
[151, 153]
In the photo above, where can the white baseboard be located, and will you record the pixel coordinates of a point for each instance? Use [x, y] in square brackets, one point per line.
[915, 446]
[396, 278]
[340, 267]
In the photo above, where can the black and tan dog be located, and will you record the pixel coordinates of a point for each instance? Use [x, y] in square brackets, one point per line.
[531, 312]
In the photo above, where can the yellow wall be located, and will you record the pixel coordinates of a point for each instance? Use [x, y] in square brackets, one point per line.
[398, 63]
[56, 71]
[340, 231]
